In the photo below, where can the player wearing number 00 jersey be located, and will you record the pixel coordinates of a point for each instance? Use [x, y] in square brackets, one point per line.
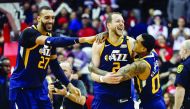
[149, 90]
[145, 69]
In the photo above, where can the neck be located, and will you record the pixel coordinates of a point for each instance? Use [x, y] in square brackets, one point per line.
[113, 37]
[41, 29]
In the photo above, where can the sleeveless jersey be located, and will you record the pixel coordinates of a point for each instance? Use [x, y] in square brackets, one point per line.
[32, 60]
[150, 88]
[112, 59]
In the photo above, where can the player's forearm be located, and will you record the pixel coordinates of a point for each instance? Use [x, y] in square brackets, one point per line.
[89, 39]
[56, 41]
[179, 96]
[128, 76]
[96, 70]
[95, 77]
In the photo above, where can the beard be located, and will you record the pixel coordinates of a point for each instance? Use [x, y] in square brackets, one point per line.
[118, 32]
[46, 28]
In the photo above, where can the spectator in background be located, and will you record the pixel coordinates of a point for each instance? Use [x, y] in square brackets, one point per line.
[74, 24]
[180, 34]
[62, 22]
[163, 50]
[131, 21]
[71, 101]
[104, 16]
[4, 87]
[1, 43]
[97, 25]
[28, 13]
[41, 3]
[176, 9]
[157, 28]
[87, 29]
[81, 61]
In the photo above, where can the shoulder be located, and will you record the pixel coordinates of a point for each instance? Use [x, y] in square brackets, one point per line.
[98, 46]
[28, 30]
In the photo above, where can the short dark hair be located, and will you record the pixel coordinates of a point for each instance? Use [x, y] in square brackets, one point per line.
[148, 41]
[44, 8]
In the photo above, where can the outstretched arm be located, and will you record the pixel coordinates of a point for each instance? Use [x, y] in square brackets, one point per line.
[66, 41]
[63, 41]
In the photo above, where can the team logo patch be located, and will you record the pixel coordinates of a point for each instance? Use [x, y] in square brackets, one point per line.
[180, 68]
[123, 46]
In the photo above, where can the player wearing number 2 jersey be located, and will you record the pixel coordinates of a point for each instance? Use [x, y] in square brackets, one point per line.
[114, 53]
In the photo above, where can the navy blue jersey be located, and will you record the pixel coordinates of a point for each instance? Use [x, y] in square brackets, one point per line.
[149, 89]
[113, 57]
[183, 78]
[32, 60]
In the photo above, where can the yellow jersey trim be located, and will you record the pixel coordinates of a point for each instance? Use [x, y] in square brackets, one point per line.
[27, 54]
[129, 45]
[147, 63]
[102, 49]
[115, 44]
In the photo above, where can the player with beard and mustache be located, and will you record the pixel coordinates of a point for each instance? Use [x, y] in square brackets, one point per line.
[37, 50]
[110, 56]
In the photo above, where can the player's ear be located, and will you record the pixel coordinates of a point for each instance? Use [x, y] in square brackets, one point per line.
[144, 49]
[38, 18]
[108, 25]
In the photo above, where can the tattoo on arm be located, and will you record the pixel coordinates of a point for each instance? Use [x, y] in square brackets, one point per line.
[133, 70]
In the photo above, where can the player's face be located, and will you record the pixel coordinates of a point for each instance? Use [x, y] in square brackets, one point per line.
[47, 19]
[138, 47]
[117, 24]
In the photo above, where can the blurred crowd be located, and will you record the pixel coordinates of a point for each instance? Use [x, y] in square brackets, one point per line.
[168, 21]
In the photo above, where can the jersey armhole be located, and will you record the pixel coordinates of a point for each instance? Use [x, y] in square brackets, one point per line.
[129, 45]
